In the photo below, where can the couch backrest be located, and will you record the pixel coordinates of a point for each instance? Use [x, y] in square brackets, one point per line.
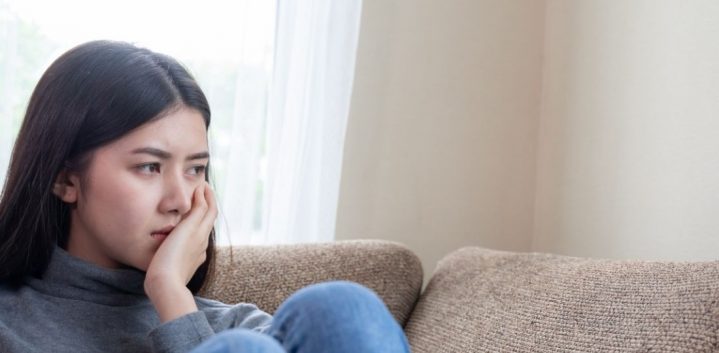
[266, 275]
[481, 300]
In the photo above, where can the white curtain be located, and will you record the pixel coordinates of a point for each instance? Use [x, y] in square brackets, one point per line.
[278, 76]
[316, 42]
[8, 59]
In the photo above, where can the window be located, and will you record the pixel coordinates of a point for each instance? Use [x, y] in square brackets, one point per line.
[227, 46]
[278, 75]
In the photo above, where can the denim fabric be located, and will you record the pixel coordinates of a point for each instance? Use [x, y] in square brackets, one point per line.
[322, 318]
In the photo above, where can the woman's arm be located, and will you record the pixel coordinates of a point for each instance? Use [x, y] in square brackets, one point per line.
[170, 301]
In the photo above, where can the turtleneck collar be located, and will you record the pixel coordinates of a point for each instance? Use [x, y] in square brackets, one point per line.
[70, 277]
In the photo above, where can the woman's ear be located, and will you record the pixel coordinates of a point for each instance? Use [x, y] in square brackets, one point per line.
[66, 187]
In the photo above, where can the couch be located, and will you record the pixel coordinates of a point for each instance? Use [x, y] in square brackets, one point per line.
[482, 300]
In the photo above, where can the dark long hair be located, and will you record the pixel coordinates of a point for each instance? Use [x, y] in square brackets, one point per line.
[90, 96]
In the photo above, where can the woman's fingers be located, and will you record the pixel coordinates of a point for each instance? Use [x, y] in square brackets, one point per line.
[209, 218]
[185, 249]
[210, 197]
[200, 202]
[199, 207]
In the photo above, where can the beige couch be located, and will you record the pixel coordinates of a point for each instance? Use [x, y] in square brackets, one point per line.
[481, 300]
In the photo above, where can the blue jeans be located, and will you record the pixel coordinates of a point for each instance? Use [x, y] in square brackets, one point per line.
[322, 318]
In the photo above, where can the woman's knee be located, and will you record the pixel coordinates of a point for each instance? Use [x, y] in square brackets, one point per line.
[240, 340]
[328, 297]
[351, 316]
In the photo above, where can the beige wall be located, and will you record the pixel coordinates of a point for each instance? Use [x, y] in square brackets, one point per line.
[441, 143]
[629, 143]
[581, 127]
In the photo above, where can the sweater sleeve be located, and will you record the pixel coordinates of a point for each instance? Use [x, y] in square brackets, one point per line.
[187, 332]
[242, 315]
[182, 334]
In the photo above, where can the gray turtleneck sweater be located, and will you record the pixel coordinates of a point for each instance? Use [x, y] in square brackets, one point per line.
[79, 307]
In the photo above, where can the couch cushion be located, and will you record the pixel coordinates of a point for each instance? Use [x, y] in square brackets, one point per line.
[266, 275]
[491, 301]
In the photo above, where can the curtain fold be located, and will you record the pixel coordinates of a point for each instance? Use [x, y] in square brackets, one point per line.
[278, 76]
[8, 59]
[315, 49]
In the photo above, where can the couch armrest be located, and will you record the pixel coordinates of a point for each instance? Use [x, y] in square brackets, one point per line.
[480, 300]
[266, 275]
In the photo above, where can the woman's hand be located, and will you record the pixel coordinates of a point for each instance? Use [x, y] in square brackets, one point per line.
[179, 256]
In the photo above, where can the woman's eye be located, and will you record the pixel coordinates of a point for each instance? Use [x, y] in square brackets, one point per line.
[200, 169]
[149, 168]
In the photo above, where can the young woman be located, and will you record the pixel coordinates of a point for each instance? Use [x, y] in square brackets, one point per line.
[106, 226]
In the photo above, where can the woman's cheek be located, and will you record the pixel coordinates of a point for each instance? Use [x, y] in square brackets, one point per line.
[131, 205]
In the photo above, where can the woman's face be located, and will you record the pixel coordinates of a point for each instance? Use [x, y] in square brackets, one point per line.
[134, 186]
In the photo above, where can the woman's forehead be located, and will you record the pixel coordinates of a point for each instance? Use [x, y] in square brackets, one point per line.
[181, 132]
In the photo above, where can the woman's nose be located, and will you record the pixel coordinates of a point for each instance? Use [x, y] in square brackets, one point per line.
[177, 197]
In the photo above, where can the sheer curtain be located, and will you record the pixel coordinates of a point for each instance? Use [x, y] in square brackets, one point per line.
[315, 49]
[278, 76]
[8, 60]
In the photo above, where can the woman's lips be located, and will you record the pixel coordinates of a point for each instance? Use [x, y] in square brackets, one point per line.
[161, 234]
[165, 230]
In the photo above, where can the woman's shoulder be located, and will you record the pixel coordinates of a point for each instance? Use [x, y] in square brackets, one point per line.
[9, 291]
[13, 301]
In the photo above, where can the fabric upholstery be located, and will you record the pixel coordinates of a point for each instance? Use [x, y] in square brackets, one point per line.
[266, 275]
[481, 300]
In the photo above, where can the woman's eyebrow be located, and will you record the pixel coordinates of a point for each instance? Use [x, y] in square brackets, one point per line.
[167, 155]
